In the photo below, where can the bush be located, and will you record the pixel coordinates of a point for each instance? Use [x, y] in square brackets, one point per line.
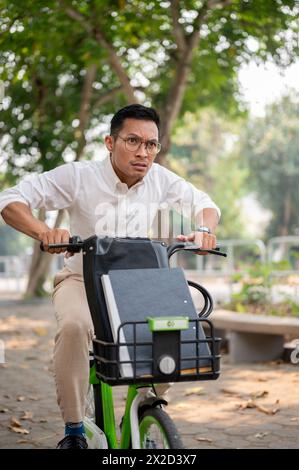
[255, 294]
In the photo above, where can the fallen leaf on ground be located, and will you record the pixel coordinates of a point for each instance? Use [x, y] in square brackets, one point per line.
[262, 379]
[260, 435]
[40, 331]
[19, 343]
[19, 430]
[252, 404]
[17, 324]
[204, 439]
[277, 362]
[20, 398]
[27, 415]
[194, 391]
[230, 392]
[34, 398]
[182, 406]
[26, 441]
[15, 422]
[43, 420]
[7, 396]
[4, 410]
[259, 394]
[15, 426]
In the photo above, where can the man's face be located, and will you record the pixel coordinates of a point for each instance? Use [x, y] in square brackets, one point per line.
[131, 166]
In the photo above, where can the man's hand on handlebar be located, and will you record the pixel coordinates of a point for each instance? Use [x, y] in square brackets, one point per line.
[56, 235]
[202, 239]
[75, 244]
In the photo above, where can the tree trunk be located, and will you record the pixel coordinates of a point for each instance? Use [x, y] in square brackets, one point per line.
[286, 217]
[186, 46]
[283, 230]
[174, 101]
[41, 262]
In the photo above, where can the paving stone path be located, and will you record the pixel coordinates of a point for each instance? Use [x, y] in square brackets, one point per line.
[249, 406]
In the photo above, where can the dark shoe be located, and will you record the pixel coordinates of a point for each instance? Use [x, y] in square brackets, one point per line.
[72, 442]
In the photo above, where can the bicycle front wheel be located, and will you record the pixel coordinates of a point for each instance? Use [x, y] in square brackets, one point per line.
[94, 405]
[158, 431]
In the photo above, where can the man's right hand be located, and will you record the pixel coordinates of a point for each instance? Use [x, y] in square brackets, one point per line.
[55, 235]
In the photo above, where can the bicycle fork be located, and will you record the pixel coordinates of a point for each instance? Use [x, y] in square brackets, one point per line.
[137, 397]
[142, 395]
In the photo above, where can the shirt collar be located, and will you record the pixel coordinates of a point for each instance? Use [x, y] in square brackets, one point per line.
[112, 176]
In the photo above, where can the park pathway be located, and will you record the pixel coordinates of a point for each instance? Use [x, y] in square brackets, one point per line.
[249, 406]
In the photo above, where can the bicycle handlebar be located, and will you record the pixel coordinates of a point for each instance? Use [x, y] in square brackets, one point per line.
[189, 246]
[75, 245]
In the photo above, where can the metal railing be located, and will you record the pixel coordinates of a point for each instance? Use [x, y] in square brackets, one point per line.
[278, 248]
[11, 272]
[14, 271]
[226, 267]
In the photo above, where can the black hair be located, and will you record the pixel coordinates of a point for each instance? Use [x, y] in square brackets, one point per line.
[133, 111]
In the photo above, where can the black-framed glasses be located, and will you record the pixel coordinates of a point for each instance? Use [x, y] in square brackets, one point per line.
[133, 142]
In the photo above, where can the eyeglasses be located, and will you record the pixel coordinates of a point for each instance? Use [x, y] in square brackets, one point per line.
[132, 143]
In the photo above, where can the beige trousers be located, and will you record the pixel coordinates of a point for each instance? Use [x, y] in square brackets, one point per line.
[72, 344]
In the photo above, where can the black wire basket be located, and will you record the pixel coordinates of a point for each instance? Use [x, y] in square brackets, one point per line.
[164, 356]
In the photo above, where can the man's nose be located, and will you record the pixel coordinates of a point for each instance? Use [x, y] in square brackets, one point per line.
[142, 152]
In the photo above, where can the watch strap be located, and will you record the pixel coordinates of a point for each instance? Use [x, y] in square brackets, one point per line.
[203, 228]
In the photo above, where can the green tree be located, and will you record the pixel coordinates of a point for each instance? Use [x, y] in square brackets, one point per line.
[176, 55]
[205, 151]
[67, 64]
[270, 146]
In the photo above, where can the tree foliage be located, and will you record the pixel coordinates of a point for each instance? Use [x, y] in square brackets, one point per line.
[270, 146]
[66, 65]
[205, 151]
[69, 64]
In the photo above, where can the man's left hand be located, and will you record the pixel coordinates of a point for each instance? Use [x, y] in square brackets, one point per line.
[203, 239]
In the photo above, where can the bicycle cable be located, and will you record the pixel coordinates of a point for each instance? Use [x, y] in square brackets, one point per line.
[208, 306]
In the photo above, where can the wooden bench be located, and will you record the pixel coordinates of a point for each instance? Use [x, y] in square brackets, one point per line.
[252, 337]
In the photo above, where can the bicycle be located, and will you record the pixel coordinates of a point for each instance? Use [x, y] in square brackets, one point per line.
[145, 423]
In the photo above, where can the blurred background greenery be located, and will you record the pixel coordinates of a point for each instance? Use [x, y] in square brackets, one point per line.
[67, 65]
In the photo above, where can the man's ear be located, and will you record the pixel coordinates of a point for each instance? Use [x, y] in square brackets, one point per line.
[109, 142]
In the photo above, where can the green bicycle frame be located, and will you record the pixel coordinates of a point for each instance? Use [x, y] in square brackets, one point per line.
[155, 324]
[108, 413]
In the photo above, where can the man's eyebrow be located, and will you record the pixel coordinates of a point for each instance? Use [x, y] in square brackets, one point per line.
[131, 134]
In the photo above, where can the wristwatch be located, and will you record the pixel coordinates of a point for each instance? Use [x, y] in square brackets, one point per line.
[202, 228]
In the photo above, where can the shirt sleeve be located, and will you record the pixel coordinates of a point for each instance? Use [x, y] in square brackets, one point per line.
[51, 190]
[185, 197]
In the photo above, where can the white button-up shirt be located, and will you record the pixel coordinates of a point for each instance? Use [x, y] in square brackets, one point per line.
[99, 203]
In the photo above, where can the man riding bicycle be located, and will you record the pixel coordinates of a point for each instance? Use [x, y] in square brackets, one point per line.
[119, 196]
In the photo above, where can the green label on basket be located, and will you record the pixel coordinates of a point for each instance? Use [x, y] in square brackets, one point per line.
[168, 323]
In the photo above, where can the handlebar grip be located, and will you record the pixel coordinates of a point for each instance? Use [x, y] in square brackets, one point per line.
[215, 251]
[74, 245]
[189, 246]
